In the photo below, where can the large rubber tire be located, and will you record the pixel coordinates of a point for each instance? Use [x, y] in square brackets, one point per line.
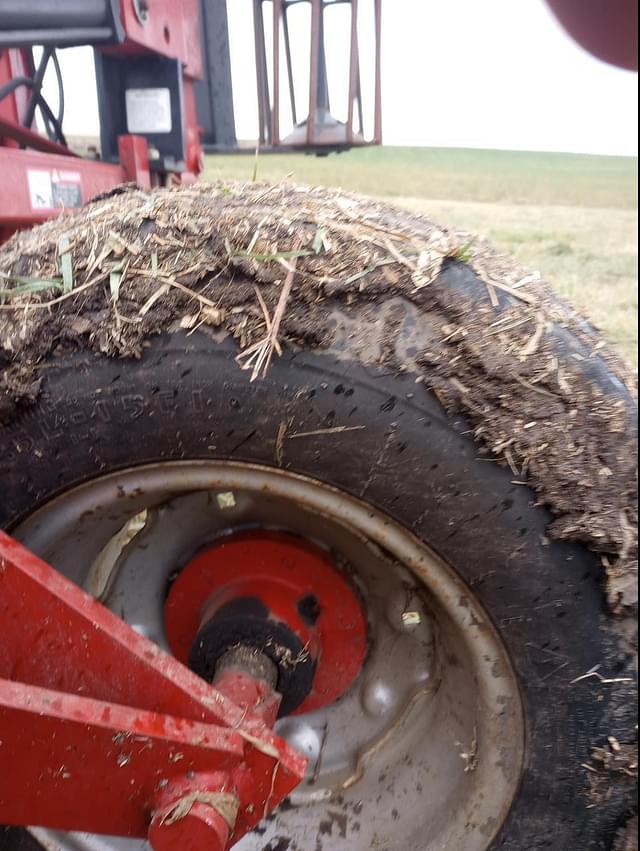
[186, 398]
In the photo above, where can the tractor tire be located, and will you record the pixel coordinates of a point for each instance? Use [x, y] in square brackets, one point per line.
[378, 433]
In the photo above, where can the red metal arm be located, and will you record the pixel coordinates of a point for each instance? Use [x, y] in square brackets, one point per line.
[106, 733]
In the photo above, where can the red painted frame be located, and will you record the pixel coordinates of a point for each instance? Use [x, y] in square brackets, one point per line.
[97, 722]
[16, 209]
[280, 570]
[173, 30]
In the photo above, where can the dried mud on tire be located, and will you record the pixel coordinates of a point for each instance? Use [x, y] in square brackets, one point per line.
[542, 390]
[628, 839]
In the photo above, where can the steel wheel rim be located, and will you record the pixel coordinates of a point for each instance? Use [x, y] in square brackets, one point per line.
[430, 781]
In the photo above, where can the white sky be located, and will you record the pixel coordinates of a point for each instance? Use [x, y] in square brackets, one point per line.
[463, 73]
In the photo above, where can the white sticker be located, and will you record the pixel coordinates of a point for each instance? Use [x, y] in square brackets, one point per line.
[148, 110]
[53, 190]
[40, 190]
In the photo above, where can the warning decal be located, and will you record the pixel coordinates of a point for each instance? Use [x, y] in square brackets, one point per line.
[55, 189]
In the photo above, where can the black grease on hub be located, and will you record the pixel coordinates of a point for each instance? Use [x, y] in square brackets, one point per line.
[309, 609]
[247, 622]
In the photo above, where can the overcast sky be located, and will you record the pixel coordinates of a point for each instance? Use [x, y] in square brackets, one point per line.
[464, 73]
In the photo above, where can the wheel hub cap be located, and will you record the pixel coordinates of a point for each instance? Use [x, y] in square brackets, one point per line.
[279, 595]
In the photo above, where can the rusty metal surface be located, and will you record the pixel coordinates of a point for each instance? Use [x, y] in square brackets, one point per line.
[320, 131]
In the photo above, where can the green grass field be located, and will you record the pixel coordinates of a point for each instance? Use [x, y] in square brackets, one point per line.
[574, 218]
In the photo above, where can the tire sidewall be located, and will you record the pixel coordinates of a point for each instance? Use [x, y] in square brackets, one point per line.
[186, 398]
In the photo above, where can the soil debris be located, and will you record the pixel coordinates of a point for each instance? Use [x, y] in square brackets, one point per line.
[628, 837]
[542, 390]
[613, 767]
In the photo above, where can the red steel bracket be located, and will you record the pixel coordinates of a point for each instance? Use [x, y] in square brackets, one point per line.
[102, 731]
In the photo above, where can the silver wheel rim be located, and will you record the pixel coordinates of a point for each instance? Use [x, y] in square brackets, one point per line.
[424, 752]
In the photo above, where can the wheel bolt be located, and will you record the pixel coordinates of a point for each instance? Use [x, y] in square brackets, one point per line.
[201, 829]
[195, 814]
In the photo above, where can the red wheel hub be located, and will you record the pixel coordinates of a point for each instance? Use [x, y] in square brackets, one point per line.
[297, 583]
